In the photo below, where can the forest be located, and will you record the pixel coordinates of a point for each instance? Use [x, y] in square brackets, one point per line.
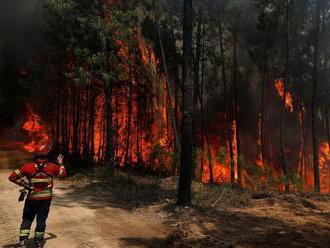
[227, 94]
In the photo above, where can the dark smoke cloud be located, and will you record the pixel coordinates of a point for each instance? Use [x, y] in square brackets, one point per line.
[20, 43]
[20, 24]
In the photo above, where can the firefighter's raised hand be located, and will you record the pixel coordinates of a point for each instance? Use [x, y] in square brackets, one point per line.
[60, 158]
[62, 172]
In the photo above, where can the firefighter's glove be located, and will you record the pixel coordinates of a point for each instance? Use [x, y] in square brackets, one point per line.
[22, 195]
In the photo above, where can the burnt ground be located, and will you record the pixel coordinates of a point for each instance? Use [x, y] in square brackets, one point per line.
[96, 209]
[280, 221]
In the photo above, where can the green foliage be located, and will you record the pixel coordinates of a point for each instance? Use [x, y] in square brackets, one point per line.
[80, 75]
[122, 20]
[293, 179]
[80, 29]
[75, 26]
[62, 6]
[159, 151]
[162, 155]
[260, 178]
[297, 181]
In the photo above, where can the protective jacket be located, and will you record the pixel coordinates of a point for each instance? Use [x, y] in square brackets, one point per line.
[40, 180]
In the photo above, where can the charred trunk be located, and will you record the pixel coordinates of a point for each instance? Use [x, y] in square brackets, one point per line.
[129, 117]
[185, 178]
[196, 87]
[236, 112]
[315, 97]
[228, 114]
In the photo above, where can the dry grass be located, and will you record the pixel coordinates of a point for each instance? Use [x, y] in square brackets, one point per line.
[221, 216]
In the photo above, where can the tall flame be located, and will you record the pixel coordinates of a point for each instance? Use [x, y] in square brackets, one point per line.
[279, 85]
[36, 130]
[220, 158]
[324, 158]
[259, 160]
[152, 141]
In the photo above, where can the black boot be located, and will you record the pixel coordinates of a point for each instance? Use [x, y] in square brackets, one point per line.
[39, 243]
[22, 244]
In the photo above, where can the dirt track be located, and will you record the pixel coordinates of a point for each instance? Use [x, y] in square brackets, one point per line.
[89, 211]
[76, 219]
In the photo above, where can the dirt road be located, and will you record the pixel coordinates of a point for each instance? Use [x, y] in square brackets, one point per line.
[97, 210]
[76, 219]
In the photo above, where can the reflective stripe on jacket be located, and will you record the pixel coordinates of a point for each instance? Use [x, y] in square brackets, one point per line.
[41, 181]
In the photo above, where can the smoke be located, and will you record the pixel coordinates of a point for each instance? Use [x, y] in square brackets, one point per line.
[20, 24]
[20, 43]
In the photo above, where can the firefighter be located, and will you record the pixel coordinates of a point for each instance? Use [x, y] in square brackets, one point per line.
[37, 178]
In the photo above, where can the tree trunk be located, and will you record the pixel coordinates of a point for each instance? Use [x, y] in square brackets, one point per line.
[65, 138]
[201, 99]
[75, 99]
[129, 116]
[85, 150]
[58, 116]
[109, 151]
[176, 117]
[184, 190]
[92, 123]
[116, 129]
[176, 81]
[302, 137]
[314, 97]
[203, 120]
[262, 110]
[79, 122]
[173, 114]
[282, 139]
[196, 87]
[236, 112]
[228, 115]
[283, 111]
[328, 125]
[209, 153]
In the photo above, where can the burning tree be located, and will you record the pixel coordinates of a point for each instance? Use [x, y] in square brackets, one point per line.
[120, 99]
[113, 106]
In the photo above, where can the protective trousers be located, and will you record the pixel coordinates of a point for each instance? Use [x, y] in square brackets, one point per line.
[32, 210]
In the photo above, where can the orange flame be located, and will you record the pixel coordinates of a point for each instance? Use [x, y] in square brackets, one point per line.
[220, 157]
[280, 89]
[259, 160]
[324, 158]
[142, 141]
[36, 130]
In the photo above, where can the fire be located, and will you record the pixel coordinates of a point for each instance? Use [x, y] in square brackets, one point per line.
[36, 130]
[279, 84]
[324, 158]
[144, 142]
[99, 128]
[259, 160]
[142, 131]
[220, 157]
[148, 56]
